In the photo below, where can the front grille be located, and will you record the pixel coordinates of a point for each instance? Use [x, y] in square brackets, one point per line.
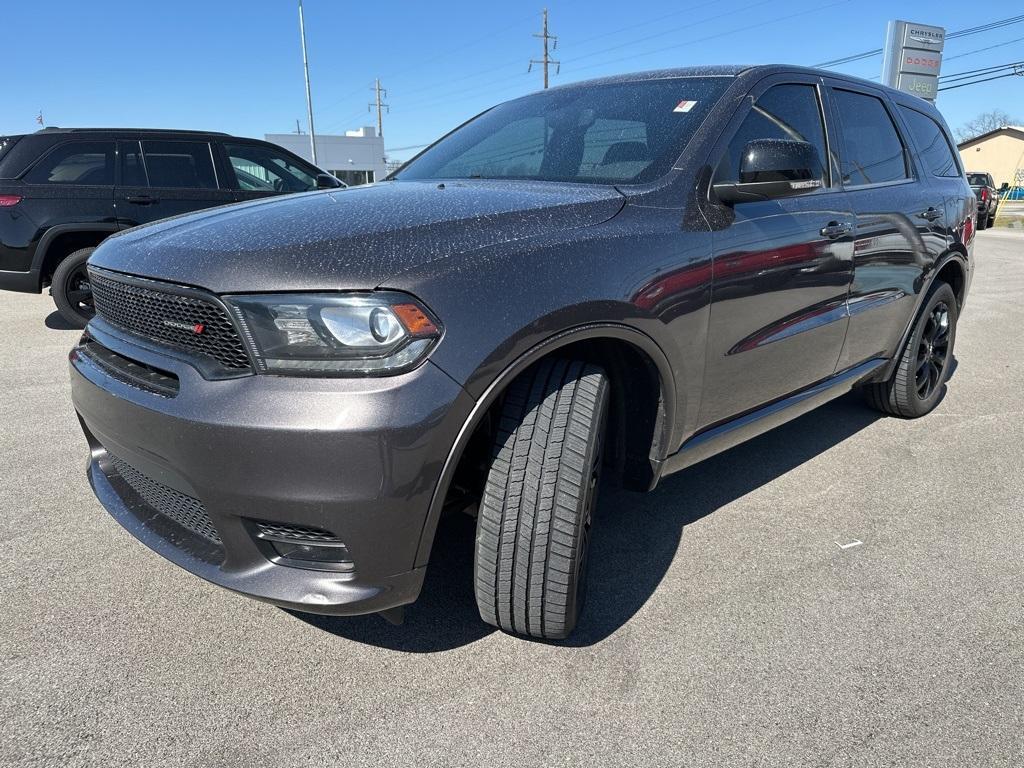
[170, 318]
[294, 533]
[184, 510]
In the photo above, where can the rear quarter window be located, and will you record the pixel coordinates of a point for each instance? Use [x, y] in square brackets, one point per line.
[84, 163]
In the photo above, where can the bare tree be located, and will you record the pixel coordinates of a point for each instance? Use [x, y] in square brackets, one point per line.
[984, 123]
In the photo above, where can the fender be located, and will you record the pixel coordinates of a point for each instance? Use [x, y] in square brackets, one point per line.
[886, 370]
[496, 387]
[53, 233]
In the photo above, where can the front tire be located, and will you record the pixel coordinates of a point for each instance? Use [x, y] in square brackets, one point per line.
[71, 290]
[533, 529]
[917, 384]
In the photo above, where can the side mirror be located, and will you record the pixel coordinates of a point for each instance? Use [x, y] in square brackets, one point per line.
[327, 181]
[773, 168]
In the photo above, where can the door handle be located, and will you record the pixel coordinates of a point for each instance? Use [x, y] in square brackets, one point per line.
[931, 214]
[141, 199]
[835, 229]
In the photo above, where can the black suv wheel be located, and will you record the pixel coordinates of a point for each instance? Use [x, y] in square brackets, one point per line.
[71, 290]
[533, 530]
[916, 385]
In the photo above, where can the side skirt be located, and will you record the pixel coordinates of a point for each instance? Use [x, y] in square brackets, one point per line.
[743, 428]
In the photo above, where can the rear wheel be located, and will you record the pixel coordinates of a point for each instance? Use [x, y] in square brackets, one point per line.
[916, 385]
[71, 290]
[533, 530]
[991, 220]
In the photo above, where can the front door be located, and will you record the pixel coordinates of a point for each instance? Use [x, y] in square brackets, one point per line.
[161, 178]
[782, 268]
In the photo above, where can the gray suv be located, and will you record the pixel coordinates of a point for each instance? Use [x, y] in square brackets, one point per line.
[620, 277]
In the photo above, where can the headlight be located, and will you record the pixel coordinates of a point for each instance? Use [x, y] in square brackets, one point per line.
[364, 334]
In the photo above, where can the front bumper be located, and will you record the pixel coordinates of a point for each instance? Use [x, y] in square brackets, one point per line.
[360, 458]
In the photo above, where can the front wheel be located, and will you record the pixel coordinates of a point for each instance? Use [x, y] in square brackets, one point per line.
[916, 385]
[533, 530]
[71, 290]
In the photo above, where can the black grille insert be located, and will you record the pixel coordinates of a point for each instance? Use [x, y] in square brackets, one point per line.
[187, 512]
[181, 320]
[131, 372]
[287, 532]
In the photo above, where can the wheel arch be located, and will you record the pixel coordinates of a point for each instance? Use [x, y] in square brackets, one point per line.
[63, 239]
[950, 268]
[597, 342]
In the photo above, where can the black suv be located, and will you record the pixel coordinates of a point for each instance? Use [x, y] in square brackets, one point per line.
[63, 191]
[629, 275]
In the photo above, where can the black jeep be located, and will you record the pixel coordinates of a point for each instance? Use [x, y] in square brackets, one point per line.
[63, 191]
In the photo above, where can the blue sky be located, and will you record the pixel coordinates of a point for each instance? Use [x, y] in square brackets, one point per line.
[236, 66]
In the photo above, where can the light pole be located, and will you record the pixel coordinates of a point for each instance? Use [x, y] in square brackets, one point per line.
[309, 97]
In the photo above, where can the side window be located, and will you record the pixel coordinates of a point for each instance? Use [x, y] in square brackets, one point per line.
[872, 150]
[261, 169]
[77, 162]
[181, 164]
[788, 111]
[936, 154]
[133, 173]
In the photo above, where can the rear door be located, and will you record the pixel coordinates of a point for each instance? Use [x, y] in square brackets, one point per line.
[782, 268]
[900, 216]
[160, 178]
[259, 170]
[73, 183]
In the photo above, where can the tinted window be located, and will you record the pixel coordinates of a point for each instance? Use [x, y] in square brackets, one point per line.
[133, 174]
[872, 150]
[79, 162]
[179, 164]
[789, 112]
[977, 179]
[610, 133]
[259, 168]
[936, 154]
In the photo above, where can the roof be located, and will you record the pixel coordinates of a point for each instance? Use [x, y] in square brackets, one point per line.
[158, 131]
[737, 70]
[1017, 131]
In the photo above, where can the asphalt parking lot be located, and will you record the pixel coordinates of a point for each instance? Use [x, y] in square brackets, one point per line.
[725, 624]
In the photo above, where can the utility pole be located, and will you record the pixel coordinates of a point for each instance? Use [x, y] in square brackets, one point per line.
[547, 60]
[381, 92]
[309, 97]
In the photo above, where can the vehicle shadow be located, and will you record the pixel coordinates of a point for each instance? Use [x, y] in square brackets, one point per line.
[634, 541]
[55, 322]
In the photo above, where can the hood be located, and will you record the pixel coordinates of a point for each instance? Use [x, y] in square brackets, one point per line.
[349, 239]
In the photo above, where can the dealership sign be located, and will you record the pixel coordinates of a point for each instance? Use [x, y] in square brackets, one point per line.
[913, 58]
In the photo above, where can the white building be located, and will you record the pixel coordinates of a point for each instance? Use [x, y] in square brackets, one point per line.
[355, 158]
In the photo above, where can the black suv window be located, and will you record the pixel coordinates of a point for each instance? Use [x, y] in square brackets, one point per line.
[872, 150]
[978, 179]
[789, 111]
[182, 164]
[76, 162]
[936, 154]
[261, 169]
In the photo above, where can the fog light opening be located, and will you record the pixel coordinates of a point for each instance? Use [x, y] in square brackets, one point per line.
[333, 554]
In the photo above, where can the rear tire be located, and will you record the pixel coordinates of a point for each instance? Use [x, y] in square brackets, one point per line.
[917, 384]
[533, 529]
[991, 221]
[71, 291]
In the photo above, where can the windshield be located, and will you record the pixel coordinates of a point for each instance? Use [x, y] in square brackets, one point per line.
[616, 133]
[977, 179]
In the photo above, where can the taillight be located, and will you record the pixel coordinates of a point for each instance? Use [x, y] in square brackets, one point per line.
[984, 195]
[6, 201]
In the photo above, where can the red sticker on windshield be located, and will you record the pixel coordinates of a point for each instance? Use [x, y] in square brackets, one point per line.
[685, 106]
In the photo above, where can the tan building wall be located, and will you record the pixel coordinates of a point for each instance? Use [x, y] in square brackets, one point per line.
[1001, 155]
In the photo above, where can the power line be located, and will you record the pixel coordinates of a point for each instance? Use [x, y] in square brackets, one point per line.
[983, 50]
[997, 24]
[980, 71]
[1018, 72]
